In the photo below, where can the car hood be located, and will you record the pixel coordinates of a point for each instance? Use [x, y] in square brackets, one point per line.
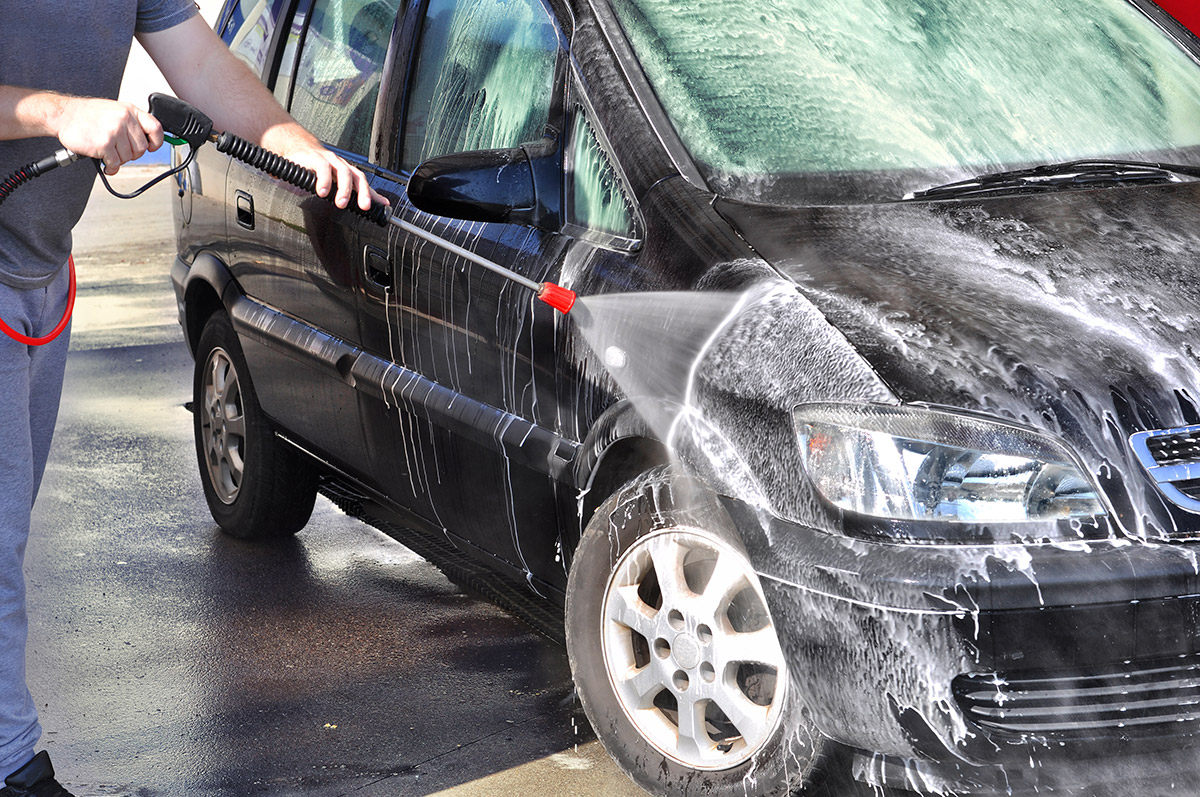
[1075, 312]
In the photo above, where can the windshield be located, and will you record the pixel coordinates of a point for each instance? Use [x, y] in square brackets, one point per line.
[813, 101]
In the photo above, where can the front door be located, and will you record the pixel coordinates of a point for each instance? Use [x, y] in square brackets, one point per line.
[487, 75]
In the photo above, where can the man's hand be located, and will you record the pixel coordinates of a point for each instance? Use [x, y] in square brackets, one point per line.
[110, 131]
[301, 148]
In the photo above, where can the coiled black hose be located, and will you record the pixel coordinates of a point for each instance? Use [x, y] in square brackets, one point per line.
[292, 173]
[32, 170]
[15, 181]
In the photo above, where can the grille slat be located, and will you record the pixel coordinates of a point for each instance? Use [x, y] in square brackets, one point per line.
[1084, 704]
[1175, 449]
[1172, 458]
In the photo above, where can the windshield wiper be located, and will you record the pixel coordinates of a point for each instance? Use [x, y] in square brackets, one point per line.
[1062, 176]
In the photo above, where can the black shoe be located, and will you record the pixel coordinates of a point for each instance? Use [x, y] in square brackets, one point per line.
[35, 779]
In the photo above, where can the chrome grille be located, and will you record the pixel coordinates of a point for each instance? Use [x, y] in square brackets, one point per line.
[1172, 458]
[1077, 705]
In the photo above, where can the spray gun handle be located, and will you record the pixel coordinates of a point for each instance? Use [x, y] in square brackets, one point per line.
[182, 119]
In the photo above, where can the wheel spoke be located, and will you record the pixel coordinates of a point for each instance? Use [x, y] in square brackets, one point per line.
[751, 720]
[626, 608]
[220, 374]
[667, 555]
[752, 647]
[236, 426]
[643, 686]
[233, 455]
[694, 741]
[727, 580]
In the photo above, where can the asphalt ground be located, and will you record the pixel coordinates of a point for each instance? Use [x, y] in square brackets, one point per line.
[169, 659]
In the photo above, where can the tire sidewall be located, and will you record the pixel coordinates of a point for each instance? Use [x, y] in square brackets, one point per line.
[653, 502]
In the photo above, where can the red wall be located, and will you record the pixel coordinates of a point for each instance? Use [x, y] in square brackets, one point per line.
[1186, 11]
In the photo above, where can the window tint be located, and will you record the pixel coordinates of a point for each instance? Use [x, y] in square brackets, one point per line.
[484, 78]
[341, 62]
[249, 29]
[597, 197]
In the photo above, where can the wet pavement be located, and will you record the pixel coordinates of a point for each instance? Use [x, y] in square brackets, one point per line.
[169, 659]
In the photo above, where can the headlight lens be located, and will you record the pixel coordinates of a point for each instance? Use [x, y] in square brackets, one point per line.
[907, 463]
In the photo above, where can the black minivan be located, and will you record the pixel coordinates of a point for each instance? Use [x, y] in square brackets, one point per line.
[876, 426]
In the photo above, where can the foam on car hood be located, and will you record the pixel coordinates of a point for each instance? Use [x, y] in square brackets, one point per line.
[1075, 312]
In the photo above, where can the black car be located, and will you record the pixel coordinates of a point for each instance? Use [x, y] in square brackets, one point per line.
[876, 427]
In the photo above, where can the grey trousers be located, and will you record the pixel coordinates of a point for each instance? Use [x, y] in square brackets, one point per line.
[30, 386]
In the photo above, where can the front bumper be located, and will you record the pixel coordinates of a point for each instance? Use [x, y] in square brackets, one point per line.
[967, 664]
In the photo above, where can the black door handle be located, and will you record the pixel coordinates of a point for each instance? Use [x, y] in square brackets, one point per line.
[245, 210]
[377, 267]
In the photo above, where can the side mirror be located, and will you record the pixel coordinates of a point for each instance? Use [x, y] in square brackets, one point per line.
[490, 185]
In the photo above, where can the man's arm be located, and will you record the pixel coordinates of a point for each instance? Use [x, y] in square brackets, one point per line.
[113, 132]
[202, 71]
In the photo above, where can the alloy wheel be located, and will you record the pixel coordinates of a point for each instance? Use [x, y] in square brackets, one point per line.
[691, 651]
[223, 425]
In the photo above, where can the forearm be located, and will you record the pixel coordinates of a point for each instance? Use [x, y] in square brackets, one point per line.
[29, 113]
[202, 71]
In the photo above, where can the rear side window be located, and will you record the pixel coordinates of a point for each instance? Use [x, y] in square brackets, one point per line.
[249, 28]
[341, 62]
[484, 78]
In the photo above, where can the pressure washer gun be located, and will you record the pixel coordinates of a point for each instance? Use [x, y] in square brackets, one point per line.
[185, 124]
[191, 126]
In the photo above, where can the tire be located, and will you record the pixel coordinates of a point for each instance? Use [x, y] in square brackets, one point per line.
[644, 644]
[256, 485]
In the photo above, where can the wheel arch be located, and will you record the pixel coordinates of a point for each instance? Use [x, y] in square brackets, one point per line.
[204, 293]
[619, 447]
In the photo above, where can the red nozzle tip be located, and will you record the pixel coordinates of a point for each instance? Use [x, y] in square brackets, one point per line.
[557, 297]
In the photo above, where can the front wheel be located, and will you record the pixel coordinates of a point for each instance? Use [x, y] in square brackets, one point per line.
[256, 485]
[674, 654]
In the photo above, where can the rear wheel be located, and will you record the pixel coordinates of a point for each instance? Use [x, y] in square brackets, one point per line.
[673, 651]
[256, 485]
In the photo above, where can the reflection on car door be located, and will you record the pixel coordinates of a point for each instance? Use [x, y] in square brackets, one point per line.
[288, 248]
[487, 75]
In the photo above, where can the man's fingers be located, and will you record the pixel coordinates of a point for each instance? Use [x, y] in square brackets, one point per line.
[152, 129]
[324, 177]
[337, 175]
[345, 183]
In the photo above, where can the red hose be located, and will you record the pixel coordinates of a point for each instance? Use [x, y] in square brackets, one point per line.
[28, 341]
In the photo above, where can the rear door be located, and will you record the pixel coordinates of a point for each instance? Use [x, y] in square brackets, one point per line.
[294, 254]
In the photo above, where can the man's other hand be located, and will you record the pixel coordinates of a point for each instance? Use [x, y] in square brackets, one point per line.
[111, 131]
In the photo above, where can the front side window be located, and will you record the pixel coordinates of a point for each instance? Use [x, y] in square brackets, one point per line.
[341, 62]
[484, 78]
[868, 99]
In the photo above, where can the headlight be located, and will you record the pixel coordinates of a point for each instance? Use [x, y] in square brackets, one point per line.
[907, 463]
